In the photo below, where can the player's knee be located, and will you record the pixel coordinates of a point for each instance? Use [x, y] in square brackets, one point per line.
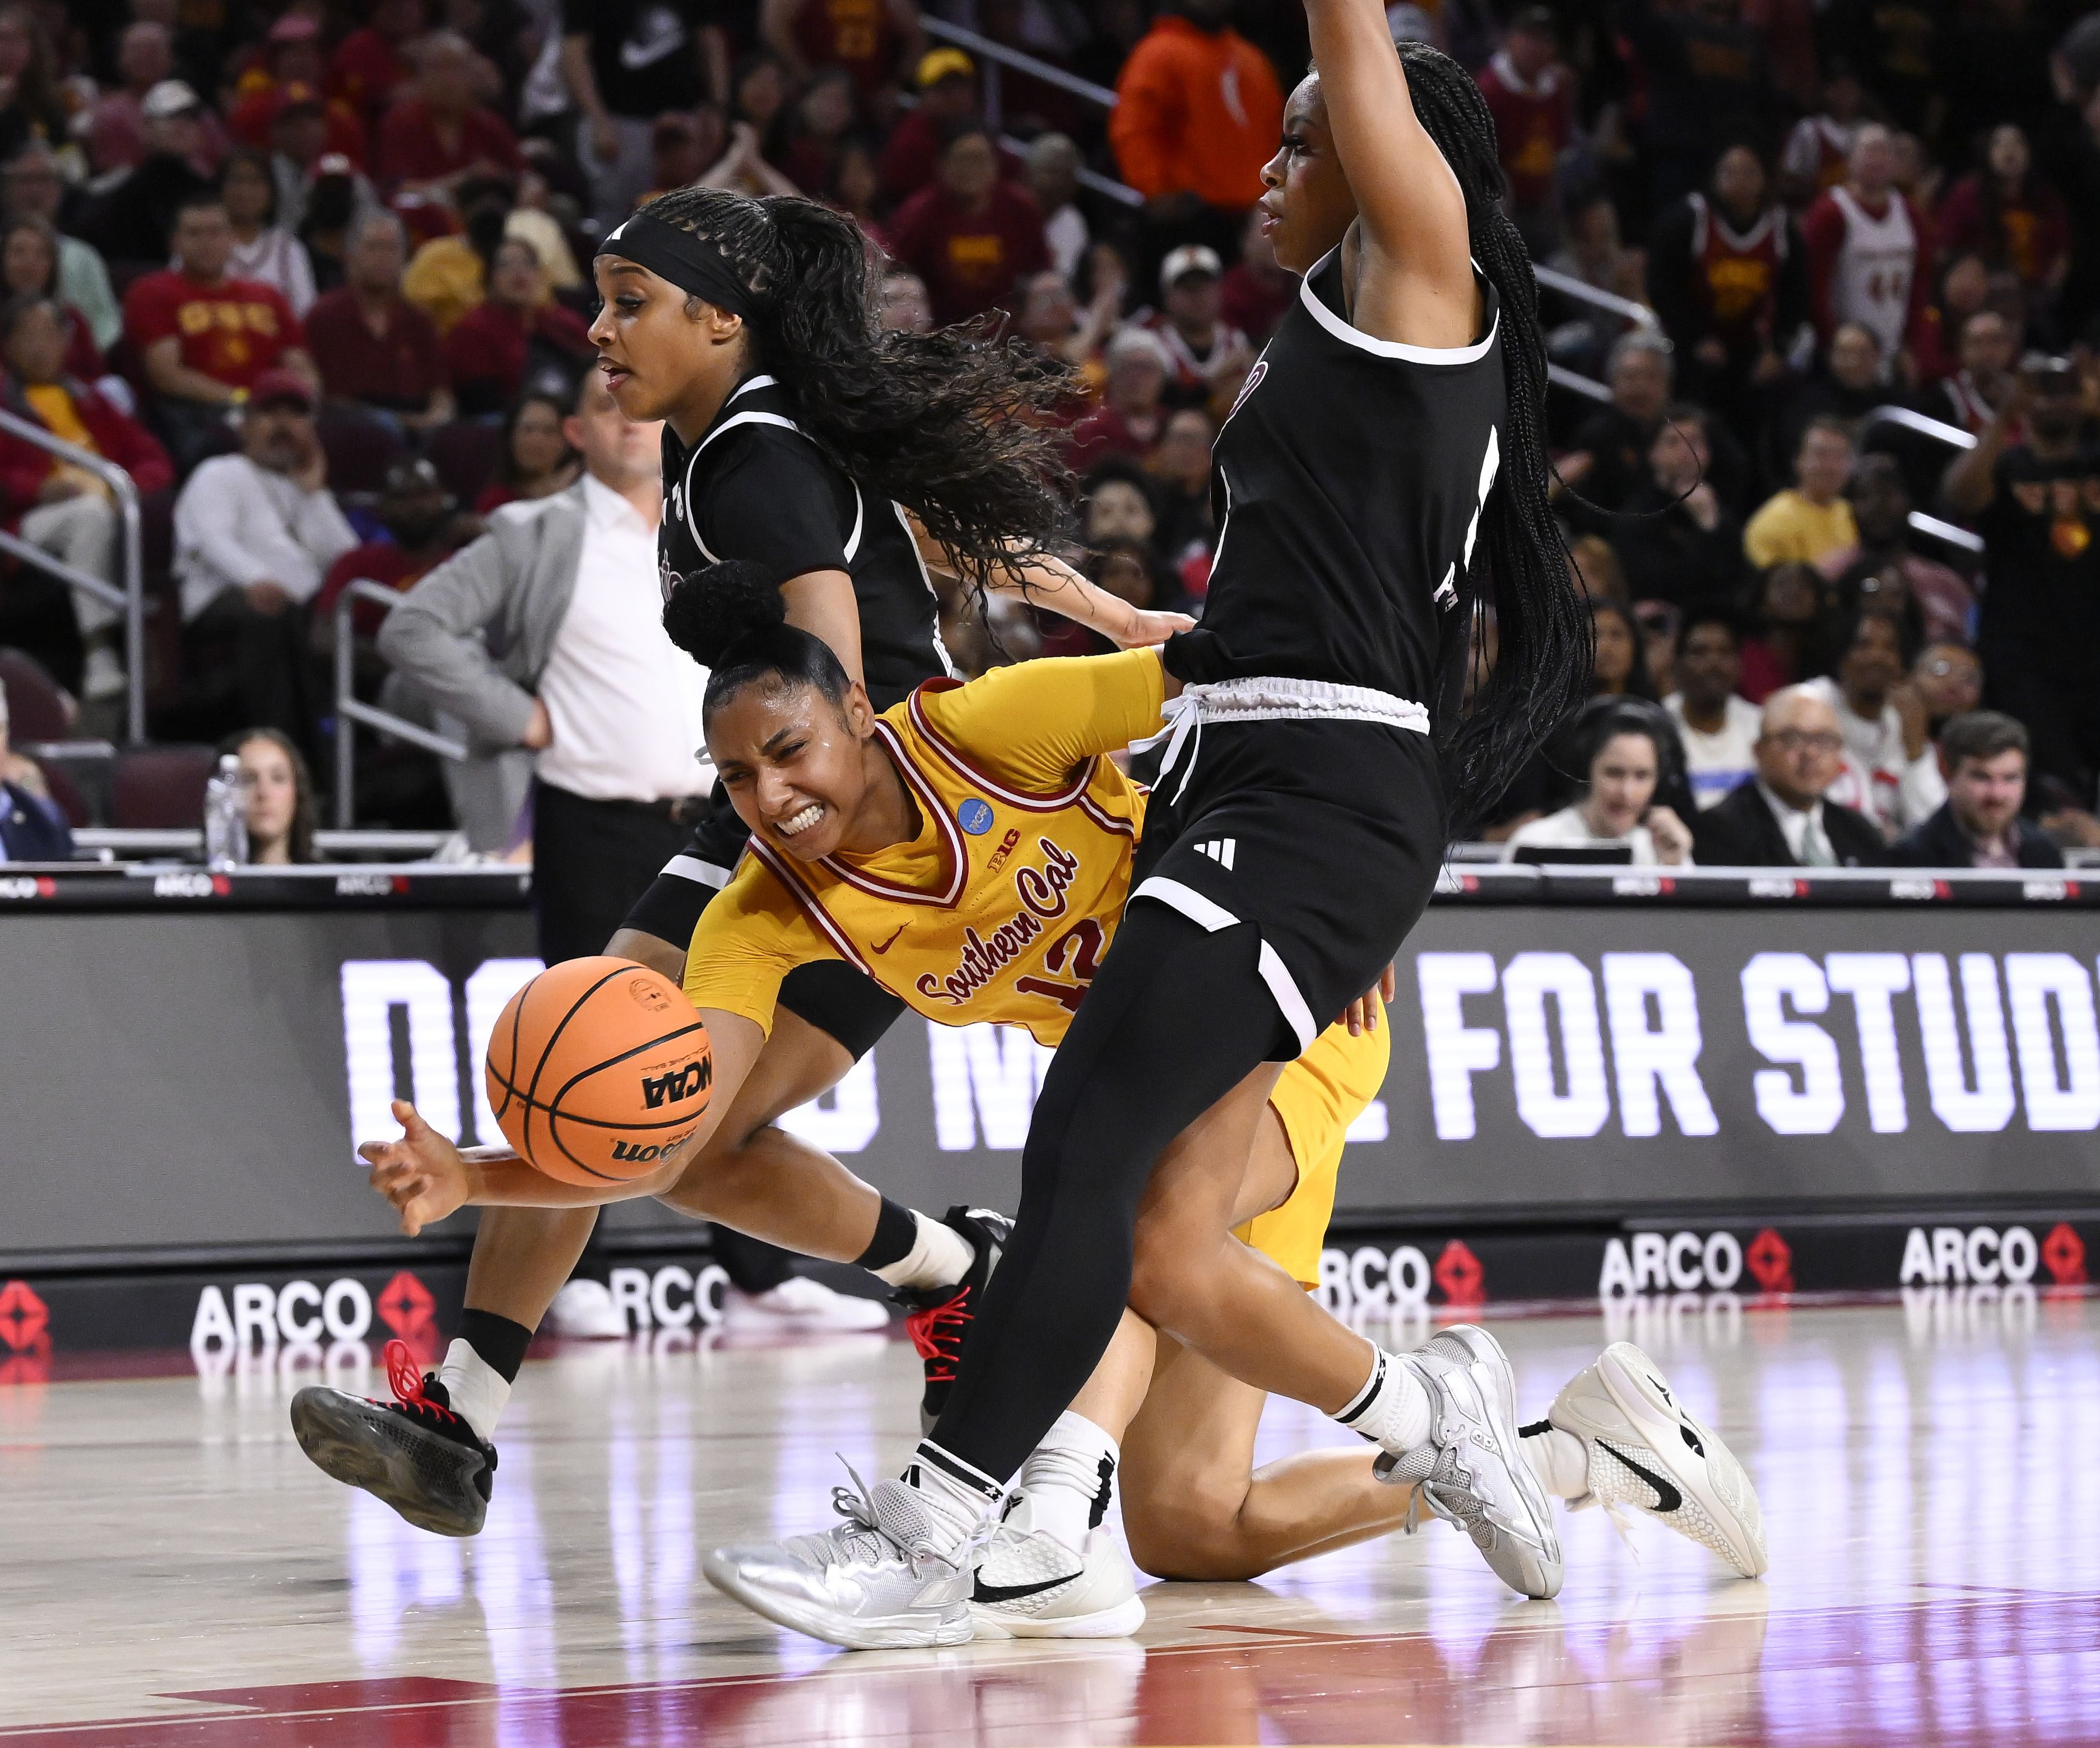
[1167, 1266]
[1190, 1532]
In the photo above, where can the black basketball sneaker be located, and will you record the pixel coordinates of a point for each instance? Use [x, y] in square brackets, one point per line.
[414, 1452]
[940, 1315]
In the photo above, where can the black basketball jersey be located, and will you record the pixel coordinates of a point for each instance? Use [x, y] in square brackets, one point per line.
[1347, 484]
[755, 488]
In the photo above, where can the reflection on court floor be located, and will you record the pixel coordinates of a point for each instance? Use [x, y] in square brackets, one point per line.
[175, 1572]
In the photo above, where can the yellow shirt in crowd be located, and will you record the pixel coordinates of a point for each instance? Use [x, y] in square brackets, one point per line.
[1789, 530]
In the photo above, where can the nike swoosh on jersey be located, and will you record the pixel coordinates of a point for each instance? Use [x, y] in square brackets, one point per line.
[985, 1592]
[1667, 1498]
[891, 942]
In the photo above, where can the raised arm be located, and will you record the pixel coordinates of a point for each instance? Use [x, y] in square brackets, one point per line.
[1043, 580]
[1413, 267]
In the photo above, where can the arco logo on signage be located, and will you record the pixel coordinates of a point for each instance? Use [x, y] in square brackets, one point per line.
[1977, 1256]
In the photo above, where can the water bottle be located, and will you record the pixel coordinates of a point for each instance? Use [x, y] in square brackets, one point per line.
[225, 817]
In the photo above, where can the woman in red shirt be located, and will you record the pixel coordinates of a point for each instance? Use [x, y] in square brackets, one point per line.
[2007, 214]
[489, 348]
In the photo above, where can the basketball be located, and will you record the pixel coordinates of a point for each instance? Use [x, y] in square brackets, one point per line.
[597, 1069]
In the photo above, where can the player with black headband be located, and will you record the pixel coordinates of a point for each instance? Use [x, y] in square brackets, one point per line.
[801, 437]
[1382, 475]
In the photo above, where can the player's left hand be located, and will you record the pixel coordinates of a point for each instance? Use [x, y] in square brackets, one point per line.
[422, 1175]
[1363, 1014]
[1147, 628]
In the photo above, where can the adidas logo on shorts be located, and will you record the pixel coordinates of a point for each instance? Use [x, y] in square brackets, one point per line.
[1220, 850]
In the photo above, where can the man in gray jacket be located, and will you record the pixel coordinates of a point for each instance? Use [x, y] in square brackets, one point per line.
[545, 633]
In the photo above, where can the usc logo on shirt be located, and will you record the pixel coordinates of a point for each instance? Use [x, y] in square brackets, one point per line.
[200, 317]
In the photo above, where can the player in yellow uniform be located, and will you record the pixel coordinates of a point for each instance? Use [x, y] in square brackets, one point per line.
[971, 851]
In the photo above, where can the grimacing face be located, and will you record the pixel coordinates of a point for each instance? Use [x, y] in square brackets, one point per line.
[795, 764]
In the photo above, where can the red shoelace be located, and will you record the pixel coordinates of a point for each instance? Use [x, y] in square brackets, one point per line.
[936, 1332]
[404, 1377]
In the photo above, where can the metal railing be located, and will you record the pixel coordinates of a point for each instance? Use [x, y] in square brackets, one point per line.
[131, 598]
[1932, 430]
[1581, 291]
[349, 711]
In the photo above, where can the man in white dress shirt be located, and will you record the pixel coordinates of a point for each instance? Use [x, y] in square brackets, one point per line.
[255, 534]
[1783, 819]
[547, 633]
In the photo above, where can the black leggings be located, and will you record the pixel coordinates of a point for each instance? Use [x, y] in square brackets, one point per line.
[1177, 1018]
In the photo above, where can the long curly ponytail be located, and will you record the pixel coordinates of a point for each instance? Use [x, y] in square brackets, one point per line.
[1541, 671]
[947, 424]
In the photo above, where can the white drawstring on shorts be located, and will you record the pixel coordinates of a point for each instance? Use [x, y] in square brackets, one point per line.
[1270, 699]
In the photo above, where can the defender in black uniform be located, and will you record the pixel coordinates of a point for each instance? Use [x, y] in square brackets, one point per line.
[801, 438]
[1386, 459]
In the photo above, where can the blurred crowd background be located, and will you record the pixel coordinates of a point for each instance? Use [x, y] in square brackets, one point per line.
[1822, 286]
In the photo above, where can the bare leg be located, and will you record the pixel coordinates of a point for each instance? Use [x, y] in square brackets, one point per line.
[1194, 1280]
[1195, 1507]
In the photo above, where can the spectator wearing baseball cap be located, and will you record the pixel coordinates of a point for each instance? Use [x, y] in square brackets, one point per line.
[132, 219]
[974, 234]
[1208, 355]
[947, 81]
[255, 533]
[116, 125]
[206, 339]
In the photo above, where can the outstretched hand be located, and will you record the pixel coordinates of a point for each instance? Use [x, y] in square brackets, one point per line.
[1363, 1014]
[1147, 628]
[422, 1175]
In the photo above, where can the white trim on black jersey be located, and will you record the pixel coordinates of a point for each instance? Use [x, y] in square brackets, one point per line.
[1413, 355]
[692, 522]
[1207, 914]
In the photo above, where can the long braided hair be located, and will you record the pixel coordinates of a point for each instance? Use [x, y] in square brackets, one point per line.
[1520, 568]
[947, 424]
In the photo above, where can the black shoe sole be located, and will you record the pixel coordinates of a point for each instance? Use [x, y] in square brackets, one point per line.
[427, 1478]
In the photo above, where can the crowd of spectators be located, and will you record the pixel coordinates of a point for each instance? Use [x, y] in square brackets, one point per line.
[314, 274]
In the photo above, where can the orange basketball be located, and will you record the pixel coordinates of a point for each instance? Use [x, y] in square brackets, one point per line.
[597, 1069]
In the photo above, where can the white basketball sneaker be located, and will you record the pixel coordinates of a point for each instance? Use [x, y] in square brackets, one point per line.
[800, 1303]
[893, 1576]
[1647, 1451]
[1473, 1472]
[1029, 1584]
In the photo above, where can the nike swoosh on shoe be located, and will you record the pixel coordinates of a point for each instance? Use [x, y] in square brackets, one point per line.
[1667, 1498]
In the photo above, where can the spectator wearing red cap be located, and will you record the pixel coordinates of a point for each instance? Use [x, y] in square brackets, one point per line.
[255, 533]
[373, 346]
[1530, 94]
[65, 509]
[1198, 113]
[293, 81]
[431, 141]
[206, 339]
[974, 234]
[490, 349]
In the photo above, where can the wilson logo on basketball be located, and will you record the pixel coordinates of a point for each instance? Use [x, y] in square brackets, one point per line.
[650, 995]
[680, 1083]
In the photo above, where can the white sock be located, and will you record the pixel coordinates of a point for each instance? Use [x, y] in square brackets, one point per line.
[958, 1497]
[941, 1256]
[479, 1393]
[1393, 1409]
[1068, 1477]
[1560, 1460]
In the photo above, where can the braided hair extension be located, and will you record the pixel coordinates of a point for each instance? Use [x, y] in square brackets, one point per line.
[947, 424]
[1542, 671]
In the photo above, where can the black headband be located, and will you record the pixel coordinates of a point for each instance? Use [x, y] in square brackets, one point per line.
[690, 263]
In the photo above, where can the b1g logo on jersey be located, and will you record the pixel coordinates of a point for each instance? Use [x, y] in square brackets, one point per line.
[974, 816]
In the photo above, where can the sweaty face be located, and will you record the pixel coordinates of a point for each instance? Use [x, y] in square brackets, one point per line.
[654, 356]
[1308, 208]
[793, 763]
